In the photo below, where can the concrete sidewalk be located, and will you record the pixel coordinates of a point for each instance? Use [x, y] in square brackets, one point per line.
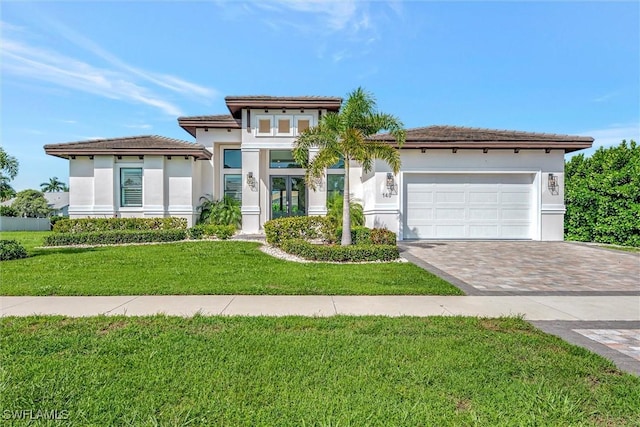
[566, 308]
[607, 325]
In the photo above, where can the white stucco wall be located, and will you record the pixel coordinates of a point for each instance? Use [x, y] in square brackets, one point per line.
[385, 209]
[81, 195]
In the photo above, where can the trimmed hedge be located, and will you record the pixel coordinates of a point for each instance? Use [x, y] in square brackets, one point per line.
[114, 237]
[353, 253]
[222, 232]
[11, 249]
[298, 227]
[369, 236]
[89, 225]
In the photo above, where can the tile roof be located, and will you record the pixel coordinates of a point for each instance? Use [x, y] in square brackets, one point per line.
[467, 137]
[129, 146]
[237, 103]
[224, 121]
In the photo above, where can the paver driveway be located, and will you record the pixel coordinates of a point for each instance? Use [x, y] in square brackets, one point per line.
[529, 268]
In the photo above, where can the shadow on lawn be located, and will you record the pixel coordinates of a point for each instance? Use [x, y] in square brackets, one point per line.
[38, 252]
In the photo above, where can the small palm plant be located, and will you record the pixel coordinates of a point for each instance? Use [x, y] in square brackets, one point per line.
[335, 206]
[225, 211]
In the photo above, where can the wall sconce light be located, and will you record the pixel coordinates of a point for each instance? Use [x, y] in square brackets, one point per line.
[552, 184]
[547, 150]
[485, 150]
[391, 185]
[206, 129]
[516, 150]
[251, 181]
[423, 150]
[454, 150]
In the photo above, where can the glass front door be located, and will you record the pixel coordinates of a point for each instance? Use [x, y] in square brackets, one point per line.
[288, 196]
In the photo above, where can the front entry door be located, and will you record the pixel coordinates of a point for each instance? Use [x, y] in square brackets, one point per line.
[288, 196]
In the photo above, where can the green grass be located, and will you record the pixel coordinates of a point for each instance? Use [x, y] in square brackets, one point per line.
[293, 371]
[203, 268]
[29, 239]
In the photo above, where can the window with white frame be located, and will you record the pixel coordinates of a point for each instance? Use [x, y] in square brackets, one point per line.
[302, 123]
[265, 125]
[131, 187]
[284, 127]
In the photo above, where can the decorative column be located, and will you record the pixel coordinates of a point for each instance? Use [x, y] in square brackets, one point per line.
[250, 190]
[317, 197]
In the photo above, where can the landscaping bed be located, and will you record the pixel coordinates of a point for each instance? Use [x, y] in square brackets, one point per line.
[307, 371]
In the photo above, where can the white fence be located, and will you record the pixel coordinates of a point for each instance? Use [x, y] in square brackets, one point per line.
[8, 223]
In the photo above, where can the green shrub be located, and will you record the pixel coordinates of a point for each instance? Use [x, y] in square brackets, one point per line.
[8, 211]
[602, 195]
[370, 236]
[352, 253]
[115, 237]
[225, 211]
[55, 218]
[196, 232]
[382, 236]
[222, 232]
[11, 249]
[298, 227]
[88, 225]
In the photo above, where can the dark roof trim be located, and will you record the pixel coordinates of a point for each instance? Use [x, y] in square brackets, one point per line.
[237, 103]
[221, 121]
[129, 146]
[464, 137]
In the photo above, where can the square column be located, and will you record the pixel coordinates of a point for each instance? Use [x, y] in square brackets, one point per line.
[104, 204]
[250, 190]
[317, 197]
[153, 184]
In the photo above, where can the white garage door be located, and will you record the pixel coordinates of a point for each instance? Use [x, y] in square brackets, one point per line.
[462, 206]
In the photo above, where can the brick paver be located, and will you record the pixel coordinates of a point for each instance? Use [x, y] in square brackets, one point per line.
[626, 341]
[528, 267]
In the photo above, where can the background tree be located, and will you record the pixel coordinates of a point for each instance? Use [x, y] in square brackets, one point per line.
[53, 185]
[602, 195]
[31, 203]
[8, 170]
[347, 134]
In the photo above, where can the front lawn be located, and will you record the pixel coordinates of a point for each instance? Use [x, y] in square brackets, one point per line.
[296, 371]
[204, 268]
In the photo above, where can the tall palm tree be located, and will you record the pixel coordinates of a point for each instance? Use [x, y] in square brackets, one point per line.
[8, 171]
[53, 185]
[347, 134]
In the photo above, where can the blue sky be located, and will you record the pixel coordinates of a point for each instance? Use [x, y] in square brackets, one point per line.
[76, 70]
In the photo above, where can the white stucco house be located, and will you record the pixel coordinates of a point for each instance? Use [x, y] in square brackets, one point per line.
[455, 182]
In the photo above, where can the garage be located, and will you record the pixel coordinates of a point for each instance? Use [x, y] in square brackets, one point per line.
[469, 206]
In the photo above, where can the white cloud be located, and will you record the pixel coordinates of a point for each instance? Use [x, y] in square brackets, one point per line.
[118, 80]
[139, 126]
[610, 136]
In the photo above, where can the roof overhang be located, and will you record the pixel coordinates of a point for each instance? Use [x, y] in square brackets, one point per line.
[455, 137]
[66, 153]
[190, 124]
[237, 103]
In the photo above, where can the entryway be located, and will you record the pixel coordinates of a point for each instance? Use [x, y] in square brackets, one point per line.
[288, 196]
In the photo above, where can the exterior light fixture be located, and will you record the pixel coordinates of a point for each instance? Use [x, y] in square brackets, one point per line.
[552, 183]
[423, 150]
[251, 181]
[391, 185]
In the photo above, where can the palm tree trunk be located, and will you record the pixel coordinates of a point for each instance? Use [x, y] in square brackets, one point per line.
[346, 205]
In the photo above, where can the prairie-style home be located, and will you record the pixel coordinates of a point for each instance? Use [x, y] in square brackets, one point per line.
[455, 182]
